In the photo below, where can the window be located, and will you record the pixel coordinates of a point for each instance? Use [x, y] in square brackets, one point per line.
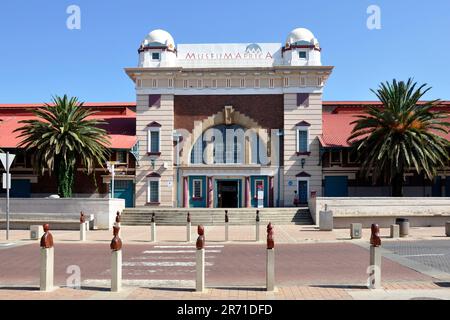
[185, 84]
[155, 56]
[228, 83]
[199, 83]
[214, 83]
[121, 157]
[335, 157]
[271, 83]
[197, 189]
[170, 83]
[20, 161]
[302, 81]
[286, 82]
[154, 139]
[351, 157]
[257, 83]
[302, 54]
[242, 83]
[302, 140]
[153, 190]
[154, 83]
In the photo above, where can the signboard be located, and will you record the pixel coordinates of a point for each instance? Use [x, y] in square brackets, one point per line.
[10, 160]
[236, 54]
[5, 180]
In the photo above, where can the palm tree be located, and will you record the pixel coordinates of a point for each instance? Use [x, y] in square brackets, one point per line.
[402, 135]
[62, 134]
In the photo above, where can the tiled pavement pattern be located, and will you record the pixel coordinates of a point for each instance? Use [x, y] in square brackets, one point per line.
[435, 254]
[392, 291]
[321, 265]
[239, 234]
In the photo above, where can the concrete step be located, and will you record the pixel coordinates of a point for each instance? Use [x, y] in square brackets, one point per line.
[244, 216]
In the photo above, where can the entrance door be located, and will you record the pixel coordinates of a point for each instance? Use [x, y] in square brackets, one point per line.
[124, 189]
[336, 186]
[20, 189]
[436, 190]
[303, 191]
[227, 194]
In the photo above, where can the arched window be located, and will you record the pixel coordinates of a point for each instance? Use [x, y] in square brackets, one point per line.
[228, 145]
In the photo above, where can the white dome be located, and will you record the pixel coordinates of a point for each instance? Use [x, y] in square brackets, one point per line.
[159, 37]
[300, 34]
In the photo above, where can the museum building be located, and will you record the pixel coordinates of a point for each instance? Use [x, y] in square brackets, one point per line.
[225, 125]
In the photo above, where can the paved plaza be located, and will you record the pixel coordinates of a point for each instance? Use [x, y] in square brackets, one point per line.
[310, 264]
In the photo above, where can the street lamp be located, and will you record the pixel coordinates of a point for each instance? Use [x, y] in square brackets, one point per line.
[111, 165]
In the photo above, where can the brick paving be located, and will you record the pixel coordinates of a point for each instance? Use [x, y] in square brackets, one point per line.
[315, 265]
[240, 234]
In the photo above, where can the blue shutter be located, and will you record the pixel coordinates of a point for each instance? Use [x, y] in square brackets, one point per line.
[154, 141]
[302, 141]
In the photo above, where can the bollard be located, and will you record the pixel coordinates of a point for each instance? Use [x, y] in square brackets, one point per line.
[200, 260]
[153, 228]
[404, 226]
[270, 259]
[356, 230]
[226, 225]
[375, 258]
[395, 231]
[188, 228]
[47, 260]
[447, 228]
[257, 225]
[116, 261]
[83, 229]
[117, 223]
[326, 220]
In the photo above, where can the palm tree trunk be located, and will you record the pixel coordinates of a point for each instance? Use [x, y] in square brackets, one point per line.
[64, 178]
[397, 185]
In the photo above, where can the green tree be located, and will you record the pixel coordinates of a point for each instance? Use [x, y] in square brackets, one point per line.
[402, 135]
[61, 135]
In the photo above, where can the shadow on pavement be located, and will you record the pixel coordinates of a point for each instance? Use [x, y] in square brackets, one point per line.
[443, 284]
[12, 288]
[169, 289]
[339, 286]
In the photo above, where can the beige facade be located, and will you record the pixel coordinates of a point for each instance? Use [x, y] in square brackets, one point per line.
[309, 111]
[163, 164]
[290, 75]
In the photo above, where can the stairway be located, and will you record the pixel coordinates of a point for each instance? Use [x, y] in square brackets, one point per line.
[177, 216]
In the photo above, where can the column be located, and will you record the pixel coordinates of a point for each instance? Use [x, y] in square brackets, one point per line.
[210, 192]
[185, 192]
[247, 192]
[271, 205]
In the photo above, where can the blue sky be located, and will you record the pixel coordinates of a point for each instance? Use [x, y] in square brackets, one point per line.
[40, 57]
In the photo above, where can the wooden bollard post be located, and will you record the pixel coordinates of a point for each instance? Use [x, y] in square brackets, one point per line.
[153, 229]
[257, 225]
[226, 225]
[83, 230]
[47, 260]
[116, 261]
[270, 259]
[374, 269]
[188, 228]
[200, 260]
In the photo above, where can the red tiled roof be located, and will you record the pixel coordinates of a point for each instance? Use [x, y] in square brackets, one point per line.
[121, 123]
[337, 125]
[86, 104]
